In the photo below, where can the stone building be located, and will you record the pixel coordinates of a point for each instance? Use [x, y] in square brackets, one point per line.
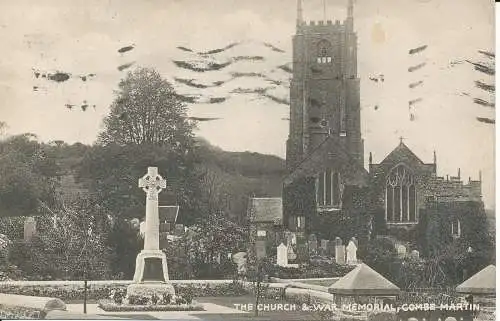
[265, 216]
[327, 189]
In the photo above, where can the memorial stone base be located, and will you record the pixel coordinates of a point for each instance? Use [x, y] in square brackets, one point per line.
[151, 275]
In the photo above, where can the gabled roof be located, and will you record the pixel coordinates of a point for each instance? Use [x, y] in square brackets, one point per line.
[401, 152]
[483, 282]
[266, 209]
[363, 280]
[168, 214]
[319, 159]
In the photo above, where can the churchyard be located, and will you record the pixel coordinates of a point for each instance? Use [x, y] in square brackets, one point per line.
[267, 290]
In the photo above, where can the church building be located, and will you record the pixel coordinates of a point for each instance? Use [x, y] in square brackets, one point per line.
[327, 190]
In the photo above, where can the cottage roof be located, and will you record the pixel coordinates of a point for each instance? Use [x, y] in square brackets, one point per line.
[363, 280]
[483, 282]
[168, 214]
[266, 209]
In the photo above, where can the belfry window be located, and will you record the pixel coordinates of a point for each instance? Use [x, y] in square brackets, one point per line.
[400, 196]
[324, 54]
[328, 189]
[456, 229]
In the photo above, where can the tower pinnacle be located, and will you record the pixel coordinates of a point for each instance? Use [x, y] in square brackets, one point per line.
[300, 18]
[350, 14]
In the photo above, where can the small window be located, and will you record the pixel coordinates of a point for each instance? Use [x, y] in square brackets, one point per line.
[456, 229]
[261, 233]
[324, 52]
[301, 222]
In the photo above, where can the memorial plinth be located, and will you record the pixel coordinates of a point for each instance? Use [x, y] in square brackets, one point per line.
[151, 272]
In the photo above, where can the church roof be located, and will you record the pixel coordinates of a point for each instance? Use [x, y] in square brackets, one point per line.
[363, 280]
[329, 152]
[483, 282]
[400, 152]
[168, 214]
[266, 209]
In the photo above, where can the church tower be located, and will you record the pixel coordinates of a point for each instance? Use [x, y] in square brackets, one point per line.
[324, 91]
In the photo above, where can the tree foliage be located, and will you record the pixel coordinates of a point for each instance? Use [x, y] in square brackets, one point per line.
[68, 244]
[28, 177]
[147, 111]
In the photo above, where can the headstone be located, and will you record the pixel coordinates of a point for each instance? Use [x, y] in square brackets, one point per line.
[135, 223]
[291, 238]
[29, 228]
[142, 229]
[179, 229]
[302, 253]
[355, 240]
[282, 255]
[351, 253]
[291, 253]
[313, 245]
[330, 249]
[401, 250]
[415, 255]
[324, 247]
[339, 251]
[240, 259]
[260, 249]
[151, 262]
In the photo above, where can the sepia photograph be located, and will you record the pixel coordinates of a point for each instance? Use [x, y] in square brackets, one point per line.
[248, 160]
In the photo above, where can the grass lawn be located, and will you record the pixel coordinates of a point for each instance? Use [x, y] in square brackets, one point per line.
[326, 283]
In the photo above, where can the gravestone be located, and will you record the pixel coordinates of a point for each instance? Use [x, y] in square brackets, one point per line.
[135, 223]
[415, 255]
[260, 249]
[240, 259]
[151, 272]
[330, 249]
[339, 251]
[401, 250]
[312, 244]
[291, 254]
[355, 240]
[142, 229]
[302, 253]
[29, 228]
[351, 253]
[179, 229]
[291, 238]
[324, 247]
[282, 255]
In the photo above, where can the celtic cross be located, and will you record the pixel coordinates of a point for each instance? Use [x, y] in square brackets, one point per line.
[152, 183]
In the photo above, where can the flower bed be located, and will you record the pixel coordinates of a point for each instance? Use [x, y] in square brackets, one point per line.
[72, 291]
[111, 306]
[16, 312]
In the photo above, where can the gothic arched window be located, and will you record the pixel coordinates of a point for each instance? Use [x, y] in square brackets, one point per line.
[456, 229]
[324, 53]
[329, 189]
[400, 196]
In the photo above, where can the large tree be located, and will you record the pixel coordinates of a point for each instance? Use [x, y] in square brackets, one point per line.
[147, 111]
[27, 176]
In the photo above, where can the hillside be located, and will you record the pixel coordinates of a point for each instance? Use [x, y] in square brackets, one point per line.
[244, 174]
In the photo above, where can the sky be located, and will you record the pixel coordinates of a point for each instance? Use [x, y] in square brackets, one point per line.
[82, 37]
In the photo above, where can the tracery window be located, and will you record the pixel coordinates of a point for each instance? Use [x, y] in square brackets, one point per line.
[400, 196]
[328, 189]
[324, 54]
